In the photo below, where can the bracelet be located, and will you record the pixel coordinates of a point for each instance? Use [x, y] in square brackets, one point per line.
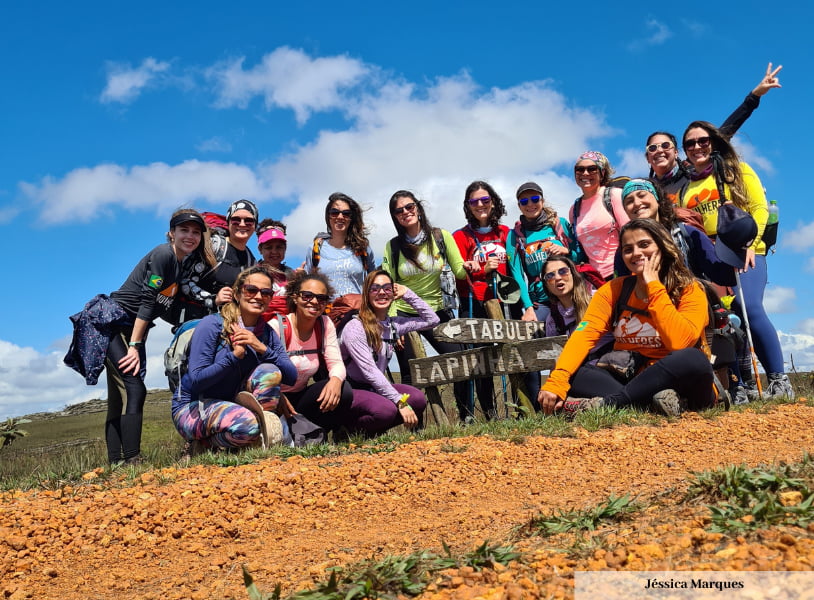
[135, 344]
[402, 403]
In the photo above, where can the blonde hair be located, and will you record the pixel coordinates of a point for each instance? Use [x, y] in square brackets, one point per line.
[231, 310]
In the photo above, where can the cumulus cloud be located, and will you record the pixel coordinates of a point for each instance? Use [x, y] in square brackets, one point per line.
[32, 381]
[125, 83]
[806, 326]
[798, 348]
[780, 300]
[288, 78]
[632, 163]
[83, 192]
[214, 144]
[800, 239]
[655, 34]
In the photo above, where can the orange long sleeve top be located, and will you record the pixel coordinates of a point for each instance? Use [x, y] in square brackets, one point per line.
[663, 330]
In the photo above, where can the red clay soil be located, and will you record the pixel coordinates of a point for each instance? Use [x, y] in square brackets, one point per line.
[185, 532]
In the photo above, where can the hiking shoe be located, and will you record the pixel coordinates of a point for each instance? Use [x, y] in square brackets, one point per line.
[135, 461]
[741, 395]
[779, 386]
[572, 406]
[667, 402]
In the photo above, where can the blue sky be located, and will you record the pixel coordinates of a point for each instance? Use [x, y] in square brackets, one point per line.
[116, 114]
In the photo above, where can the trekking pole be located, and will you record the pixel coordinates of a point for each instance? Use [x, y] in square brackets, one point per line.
[502, 377]
[470, 406]
[749, 334]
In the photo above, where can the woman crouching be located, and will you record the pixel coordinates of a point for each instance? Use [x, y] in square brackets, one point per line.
[367, 346]
[657, 316]
[230, 352]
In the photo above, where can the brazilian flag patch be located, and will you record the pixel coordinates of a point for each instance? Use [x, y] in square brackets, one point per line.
[581, 326]
[155, 281]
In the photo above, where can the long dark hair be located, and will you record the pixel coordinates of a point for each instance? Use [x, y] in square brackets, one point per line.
[580, 295]
[410, 251]
[681, 166]
[673, 272]
[370, 323]
[497, 210]
[726, 164]
[356, 237]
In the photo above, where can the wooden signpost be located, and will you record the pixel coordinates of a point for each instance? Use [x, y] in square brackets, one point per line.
[488, 331]
[485, 361]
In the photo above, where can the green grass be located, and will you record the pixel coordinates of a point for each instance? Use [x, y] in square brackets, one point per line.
[614, 509]
[391, 577]
[743, 499]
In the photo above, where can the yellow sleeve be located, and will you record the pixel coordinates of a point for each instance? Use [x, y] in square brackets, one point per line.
[758, 207]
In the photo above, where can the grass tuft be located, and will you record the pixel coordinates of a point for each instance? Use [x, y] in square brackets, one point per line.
[614, 509]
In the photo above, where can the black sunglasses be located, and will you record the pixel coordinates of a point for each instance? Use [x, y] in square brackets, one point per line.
[311, 296]
[253, 290]
[586, 169]
[407, 207]
[335, 212]
[701, 142]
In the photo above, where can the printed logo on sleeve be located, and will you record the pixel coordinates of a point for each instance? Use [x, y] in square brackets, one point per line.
[581, 326]
[155, 281]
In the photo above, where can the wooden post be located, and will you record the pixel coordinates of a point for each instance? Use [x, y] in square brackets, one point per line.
[518, 385]
[434, 401]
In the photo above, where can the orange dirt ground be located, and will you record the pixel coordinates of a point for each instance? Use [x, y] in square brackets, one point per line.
[185, 532]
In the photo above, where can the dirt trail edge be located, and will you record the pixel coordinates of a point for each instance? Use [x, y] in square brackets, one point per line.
[183, 533]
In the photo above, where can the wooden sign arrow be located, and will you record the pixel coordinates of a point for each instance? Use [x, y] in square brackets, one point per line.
[486, 331]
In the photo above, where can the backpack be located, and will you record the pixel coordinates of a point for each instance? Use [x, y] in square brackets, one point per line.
[176, 356]
[449, 289]
[216, 223]
[316, 250]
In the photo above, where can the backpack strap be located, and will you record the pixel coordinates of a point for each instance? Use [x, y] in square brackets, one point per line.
[319, 331]
[559, 322]
[315, 251]
[622, 303]
[439, 241]
[395, 255]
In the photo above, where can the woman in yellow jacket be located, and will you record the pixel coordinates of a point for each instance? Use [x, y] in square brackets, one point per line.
[657, 316]
[720, 177]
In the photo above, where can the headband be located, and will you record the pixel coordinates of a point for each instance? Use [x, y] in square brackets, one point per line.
[187, 217]
[242, 205]
[639, 184]
[598, 158]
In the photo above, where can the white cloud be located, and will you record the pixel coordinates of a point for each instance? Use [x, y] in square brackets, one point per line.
[750, 155]
[632, 163]
[780, 300]
[83, 192]
[800, 239]
[124, 83]
[32, 381]
[288, 78]
[214, 144]
[799, 349]
[806, 326]
[658, 34]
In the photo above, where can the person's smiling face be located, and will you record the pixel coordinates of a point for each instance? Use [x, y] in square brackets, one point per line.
[241, 226]
[637, 246]
[587, 175]
[641, 204]
[186, 237]
[698, 147]
[661, 159]
[480, 203]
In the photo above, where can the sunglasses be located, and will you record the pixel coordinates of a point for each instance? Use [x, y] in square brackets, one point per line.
[655, 147]
[533, 199]
[239, 220]
[335, 212]
[587, 169]
[311, 296]
[484, 200]
[253, 290]
[407, 207]
[702, 142]
[562, 272]
[387, 288]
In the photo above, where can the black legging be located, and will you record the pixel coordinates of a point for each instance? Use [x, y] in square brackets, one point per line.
[123, 431]
[460, 388]
[305, 403]
[686, 371]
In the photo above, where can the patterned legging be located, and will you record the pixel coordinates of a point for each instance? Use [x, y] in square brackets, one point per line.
[224, 424]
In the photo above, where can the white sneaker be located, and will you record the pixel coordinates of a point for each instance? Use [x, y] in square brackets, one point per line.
[741, 396]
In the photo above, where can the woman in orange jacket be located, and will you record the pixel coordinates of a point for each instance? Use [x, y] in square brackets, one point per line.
[657, 316]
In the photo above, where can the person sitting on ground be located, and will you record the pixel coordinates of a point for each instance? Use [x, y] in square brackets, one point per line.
[657, 315]
[569, 295]
[367, 345]
[229, 352]
[310, 340]
[271, 244]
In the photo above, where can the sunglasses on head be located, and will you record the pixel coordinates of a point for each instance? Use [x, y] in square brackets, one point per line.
[335, 212]
[387, 288]
[253, 290]
[407, 207]
[533, 199]
[239, 220]
[484, 200]
[311, 296]
[701, 142]
[562, 272]
[654, 147]
[586, 169]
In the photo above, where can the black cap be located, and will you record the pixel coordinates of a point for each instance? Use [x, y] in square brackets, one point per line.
[529, 185]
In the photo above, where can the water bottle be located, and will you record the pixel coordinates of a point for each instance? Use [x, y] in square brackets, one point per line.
[770, 233]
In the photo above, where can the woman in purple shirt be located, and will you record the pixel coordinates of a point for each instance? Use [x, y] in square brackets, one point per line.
[367, 345]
